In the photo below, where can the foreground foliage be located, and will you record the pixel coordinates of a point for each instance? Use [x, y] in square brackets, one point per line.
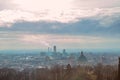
[98, 72]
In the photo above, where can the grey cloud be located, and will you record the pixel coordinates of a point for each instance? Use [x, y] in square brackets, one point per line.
[85, 27]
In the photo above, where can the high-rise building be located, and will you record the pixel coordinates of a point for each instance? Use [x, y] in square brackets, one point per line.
[54, 49]
[48, 49]
[64, 51]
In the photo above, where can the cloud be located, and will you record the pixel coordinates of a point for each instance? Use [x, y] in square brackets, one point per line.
[87, 26]
[20, 40]
[9, 17]
[7, 4]
[68, 41]
[51, 39]
[108, 21]
[75, 23]
[36, 5]
[96, 3]
[33, 39]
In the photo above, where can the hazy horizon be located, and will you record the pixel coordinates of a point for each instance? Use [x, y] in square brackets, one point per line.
[71, 24]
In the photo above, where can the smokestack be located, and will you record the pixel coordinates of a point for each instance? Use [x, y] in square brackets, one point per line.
[54, 49]
[119, 69]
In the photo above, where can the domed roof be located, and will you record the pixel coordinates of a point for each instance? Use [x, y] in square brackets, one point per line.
[82, 58]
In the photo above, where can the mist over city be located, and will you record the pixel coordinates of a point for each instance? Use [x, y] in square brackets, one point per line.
[59, 40]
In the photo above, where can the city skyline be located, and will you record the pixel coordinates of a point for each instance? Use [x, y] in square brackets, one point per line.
[77, 24]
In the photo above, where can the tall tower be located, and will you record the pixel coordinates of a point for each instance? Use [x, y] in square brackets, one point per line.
[64, 51]
[48, 49]
[82, 53]
[54, 49]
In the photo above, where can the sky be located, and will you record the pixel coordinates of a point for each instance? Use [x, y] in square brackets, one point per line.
[70, 24]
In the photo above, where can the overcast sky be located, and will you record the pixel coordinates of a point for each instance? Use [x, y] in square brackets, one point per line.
[38, 24]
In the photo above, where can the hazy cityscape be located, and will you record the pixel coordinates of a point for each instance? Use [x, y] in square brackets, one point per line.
[54, 65]
[52, 57]
[59, 39]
